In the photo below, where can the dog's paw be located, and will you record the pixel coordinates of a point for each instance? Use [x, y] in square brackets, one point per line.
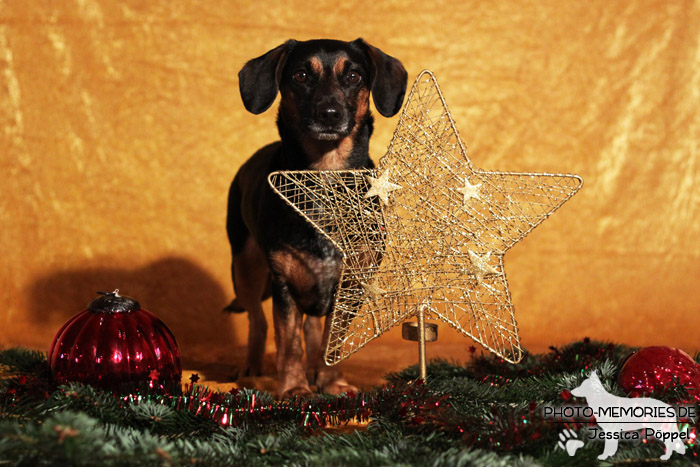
[248, 372]
[338, 387]
[300, 391]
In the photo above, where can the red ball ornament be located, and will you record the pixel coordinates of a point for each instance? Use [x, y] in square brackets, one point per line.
[115, 345]
[657, 369]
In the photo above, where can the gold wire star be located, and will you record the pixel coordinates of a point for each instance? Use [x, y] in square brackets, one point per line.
[436, 243]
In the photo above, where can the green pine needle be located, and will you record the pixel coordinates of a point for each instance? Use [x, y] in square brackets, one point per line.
[488, 412]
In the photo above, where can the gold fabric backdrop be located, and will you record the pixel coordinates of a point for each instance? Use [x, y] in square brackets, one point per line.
[122, 127]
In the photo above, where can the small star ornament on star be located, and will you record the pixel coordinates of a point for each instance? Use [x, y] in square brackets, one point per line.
[480, 266]
[381, 187]
[469, 191]
[425, 230]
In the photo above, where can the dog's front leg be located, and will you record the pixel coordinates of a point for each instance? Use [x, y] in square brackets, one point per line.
[290, 370]
[251, 278]
[330, 379]
[313, 337]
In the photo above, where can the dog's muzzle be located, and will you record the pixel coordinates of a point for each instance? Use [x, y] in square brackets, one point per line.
[330, 121]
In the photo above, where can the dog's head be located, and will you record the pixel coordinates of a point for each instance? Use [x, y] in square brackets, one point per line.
[325, 85]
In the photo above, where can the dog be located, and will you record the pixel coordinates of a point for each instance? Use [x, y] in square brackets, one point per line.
[617, 415]
[324, 123]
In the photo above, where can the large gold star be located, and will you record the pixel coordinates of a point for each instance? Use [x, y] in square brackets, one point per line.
[436, 243]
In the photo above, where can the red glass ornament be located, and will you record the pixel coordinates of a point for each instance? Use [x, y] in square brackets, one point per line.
[657, 369]
[116, 345]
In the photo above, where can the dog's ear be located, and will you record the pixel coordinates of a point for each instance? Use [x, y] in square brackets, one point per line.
[594, 376]
[259, 78]
[388, 79]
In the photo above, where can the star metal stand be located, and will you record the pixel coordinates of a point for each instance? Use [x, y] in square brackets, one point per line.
[421, 332]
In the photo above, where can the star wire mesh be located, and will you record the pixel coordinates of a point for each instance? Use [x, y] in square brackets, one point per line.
[425, 229]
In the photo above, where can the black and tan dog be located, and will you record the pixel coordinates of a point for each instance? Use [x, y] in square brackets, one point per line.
[324, 124]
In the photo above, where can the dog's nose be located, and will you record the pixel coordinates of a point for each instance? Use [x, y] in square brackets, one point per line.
[329, 114]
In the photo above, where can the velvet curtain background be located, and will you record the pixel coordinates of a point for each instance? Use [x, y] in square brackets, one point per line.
[121, 128]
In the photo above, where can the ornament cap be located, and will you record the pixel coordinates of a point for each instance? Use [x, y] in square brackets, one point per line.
[112, 302]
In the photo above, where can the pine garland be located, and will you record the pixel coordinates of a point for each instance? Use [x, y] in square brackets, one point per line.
[486, 413]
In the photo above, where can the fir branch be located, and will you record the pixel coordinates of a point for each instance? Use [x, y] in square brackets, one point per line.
[485, 413]
[20, 360]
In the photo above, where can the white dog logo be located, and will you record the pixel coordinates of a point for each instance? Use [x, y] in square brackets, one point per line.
[617, 415]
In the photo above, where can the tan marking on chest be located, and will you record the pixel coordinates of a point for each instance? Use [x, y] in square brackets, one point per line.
[335, 159]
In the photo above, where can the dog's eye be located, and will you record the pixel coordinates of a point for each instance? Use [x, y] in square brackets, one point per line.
[354, 77]
[300, 76]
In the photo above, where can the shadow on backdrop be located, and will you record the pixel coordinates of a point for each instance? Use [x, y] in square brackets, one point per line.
[176, 290]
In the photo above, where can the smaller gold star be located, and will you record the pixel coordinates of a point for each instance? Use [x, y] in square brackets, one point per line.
[481, 266]
[372, 290]
[470, 191]
[381, 187]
